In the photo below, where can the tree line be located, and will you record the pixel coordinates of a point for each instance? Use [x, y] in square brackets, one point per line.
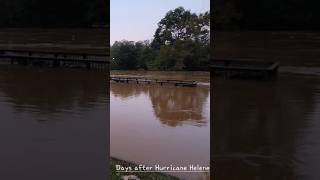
[266, 15]
[53, 13]
[181, 42]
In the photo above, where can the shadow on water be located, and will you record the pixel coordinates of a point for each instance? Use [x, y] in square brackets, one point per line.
[173, 106]
[259, 127]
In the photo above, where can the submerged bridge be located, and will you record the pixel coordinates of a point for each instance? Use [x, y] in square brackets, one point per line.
[70, 59]
[234, 68]
[180, 83]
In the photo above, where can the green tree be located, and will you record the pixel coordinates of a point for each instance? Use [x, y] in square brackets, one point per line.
[182, 39]
[182, 55]
[147, 56]
[181, 42]
[124, 55]
[181, 24]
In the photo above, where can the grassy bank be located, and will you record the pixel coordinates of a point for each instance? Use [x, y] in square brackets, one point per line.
[143, 176]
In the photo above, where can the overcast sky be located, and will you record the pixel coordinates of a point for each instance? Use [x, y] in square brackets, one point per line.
[136, 20]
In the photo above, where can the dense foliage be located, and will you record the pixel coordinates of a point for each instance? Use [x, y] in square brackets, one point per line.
[266, 15]
[53, 13]
[181, 42]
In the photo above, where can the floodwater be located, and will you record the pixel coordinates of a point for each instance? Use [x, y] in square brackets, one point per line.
[288, 48]
[84, 40]
[165, 125]
[53, 124]
[269, 129]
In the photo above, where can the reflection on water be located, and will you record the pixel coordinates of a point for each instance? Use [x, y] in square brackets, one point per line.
[164, 125]
[267, 130]
[53, 124]
[172, 106]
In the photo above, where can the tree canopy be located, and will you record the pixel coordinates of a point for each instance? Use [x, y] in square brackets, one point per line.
[181, 24]
[181, 42]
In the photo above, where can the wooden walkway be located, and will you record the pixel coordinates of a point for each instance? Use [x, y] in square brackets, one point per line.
[231, 68]
[153, 81]
[54, 58]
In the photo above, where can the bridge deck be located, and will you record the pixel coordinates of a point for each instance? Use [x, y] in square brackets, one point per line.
[59, 56]
[244, 68]
[154, 81]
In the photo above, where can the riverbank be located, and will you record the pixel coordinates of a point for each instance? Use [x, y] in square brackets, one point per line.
[141, 175]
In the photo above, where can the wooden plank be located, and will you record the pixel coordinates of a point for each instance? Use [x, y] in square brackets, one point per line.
[52, 58]
[155, 81]
[244, 65]
[244, 68]
[61, 56]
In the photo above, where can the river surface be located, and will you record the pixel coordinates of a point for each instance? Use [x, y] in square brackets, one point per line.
[266, 130]
[165, 125]
[53, 124]
[73, 40]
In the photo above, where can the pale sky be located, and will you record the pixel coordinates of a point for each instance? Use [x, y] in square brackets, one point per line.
[136, 20]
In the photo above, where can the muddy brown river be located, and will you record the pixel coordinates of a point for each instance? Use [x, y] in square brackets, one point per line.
[164, 125]
[266, 130]
[262, 130]
[53, 124]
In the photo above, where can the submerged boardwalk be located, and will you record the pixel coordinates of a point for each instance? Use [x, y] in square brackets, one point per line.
[232, 68]
[54, 58]
[180, 83]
